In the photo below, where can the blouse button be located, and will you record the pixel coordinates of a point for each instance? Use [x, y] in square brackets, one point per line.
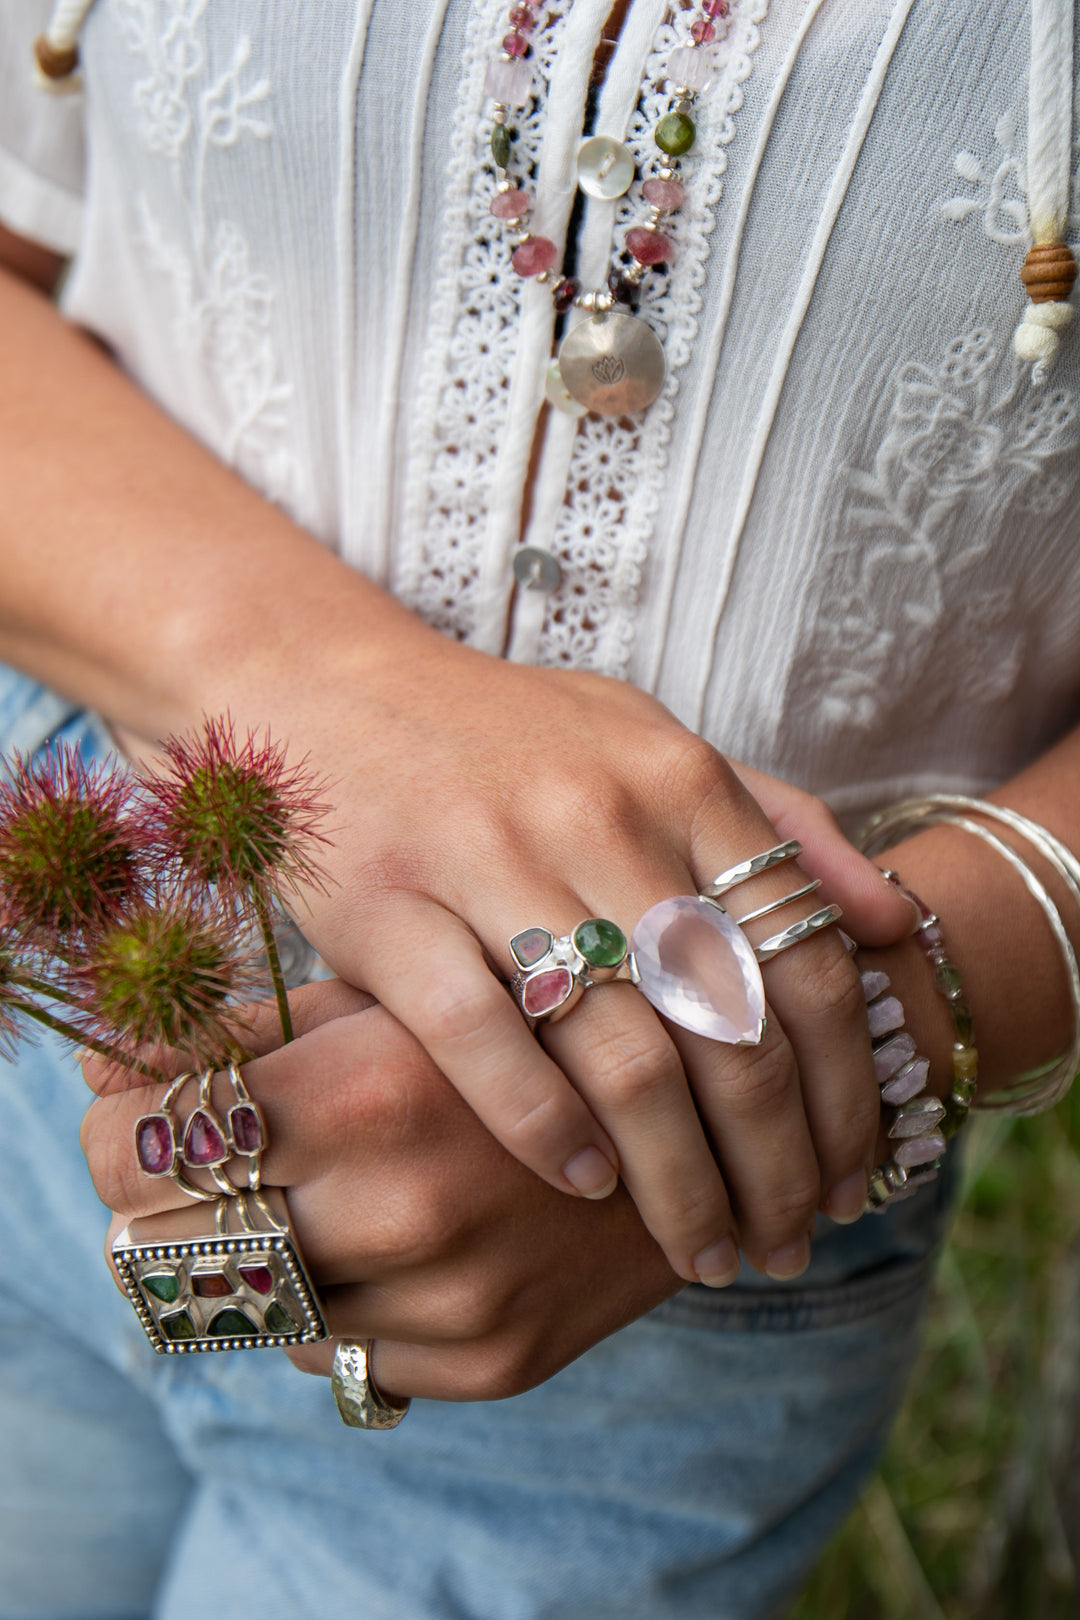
[536, 570]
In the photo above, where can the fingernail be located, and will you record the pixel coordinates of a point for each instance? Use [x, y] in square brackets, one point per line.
[717, 1265]
[789, 1261]
[847, 1199]
[591, 1174]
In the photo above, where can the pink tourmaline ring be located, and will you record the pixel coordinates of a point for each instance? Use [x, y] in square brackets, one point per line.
[554, 973]
[206, 1142]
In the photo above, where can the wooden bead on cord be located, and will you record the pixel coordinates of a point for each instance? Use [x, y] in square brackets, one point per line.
[1049, 272]
[54, 63]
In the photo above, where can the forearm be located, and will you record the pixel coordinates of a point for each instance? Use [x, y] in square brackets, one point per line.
[137, 573]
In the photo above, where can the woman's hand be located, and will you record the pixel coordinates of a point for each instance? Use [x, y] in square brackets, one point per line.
[475, 798]
[477, 1279]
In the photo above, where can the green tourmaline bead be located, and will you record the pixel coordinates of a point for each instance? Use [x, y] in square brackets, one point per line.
[962, 1022]
[675, 134]
[948, 980]
[501, 143]
[278, 1320]
[600, 942]
[179, 1326]
[164, 1285]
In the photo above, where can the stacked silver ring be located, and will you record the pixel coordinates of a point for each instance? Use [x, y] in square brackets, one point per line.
[206, 1141]
[754, 867]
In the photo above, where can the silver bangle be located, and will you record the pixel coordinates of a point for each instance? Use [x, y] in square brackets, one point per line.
[1035, 1094]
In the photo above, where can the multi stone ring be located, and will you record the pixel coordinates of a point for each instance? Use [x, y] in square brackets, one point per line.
[687, 956]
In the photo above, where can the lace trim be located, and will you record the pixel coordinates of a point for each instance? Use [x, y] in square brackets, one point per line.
[460, 404]
[618, 464]
[904, 603]
[223, 308]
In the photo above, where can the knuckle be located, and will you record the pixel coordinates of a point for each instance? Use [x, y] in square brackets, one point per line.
[760, 1081]
[109, 1157]
[459, 1008]
[633, 1073]
[506, 1368]
[793, 1203]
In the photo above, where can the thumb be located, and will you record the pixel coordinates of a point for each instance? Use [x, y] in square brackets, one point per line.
[875, 912]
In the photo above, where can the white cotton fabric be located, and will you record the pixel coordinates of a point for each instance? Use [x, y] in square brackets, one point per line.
[845, 542]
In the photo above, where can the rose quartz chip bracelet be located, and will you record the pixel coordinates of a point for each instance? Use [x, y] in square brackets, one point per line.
[920, 1124]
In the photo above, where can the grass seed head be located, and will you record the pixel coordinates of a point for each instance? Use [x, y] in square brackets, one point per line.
[69, 848]
[235, 814]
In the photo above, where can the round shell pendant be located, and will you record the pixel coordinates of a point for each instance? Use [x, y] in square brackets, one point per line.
[613, 364]
[605, 167]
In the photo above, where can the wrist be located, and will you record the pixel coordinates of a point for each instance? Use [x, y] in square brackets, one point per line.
[1009, 963]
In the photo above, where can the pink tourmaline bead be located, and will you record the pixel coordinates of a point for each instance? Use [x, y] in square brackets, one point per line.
[665, 194]
[522, 18]
[535, 255]
[702, 32]
[884, 1016]
[515, 44]
[510, 204]
[648, 247]
[920, 1150]
[874, 983]
[907, 1083]
[715, 8]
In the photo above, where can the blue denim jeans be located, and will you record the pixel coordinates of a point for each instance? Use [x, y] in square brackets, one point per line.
[692, 1465]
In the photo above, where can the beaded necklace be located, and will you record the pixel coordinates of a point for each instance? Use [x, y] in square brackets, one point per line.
[613, 363]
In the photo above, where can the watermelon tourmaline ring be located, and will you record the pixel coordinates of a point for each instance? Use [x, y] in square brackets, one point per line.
[554, 972]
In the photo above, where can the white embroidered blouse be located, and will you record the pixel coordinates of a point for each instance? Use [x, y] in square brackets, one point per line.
[844, 544]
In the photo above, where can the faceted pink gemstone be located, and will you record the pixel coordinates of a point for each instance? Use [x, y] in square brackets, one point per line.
[702, 32]
[509, 82]
[154, 1146]
[696, 967]
[648, 247]
[666, 194]
[245, 1128]
[874, 983]
[907, 1084]
[510, 204]
[931, 934]
[515, 44]
[891, 1056]
[920, 1150]
[522, 18]
[546, 991]
[204, 1144]
[715, 8]
[261, 1278]
[535, 255]
[884, 1016]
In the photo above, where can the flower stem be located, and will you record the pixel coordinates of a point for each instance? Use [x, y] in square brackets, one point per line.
[262, 912]
[39, 987]
[79, 1037]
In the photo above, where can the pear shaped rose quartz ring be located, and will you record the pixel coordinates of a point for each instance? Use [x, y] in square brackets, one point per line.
[686, 955]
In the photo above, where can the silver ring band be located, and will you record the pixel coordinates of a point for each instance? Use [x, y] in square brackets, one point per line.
[752, 868]
[797, 933]
[775, 905]
[360, 1404]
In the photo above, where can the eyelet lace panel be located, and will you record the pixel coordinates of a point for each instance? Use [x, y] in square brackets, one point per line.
[460, 405]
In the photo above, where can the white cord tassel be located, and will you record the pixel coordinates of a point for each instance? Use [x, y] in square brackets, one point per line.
[56, 51]
[1050, 267]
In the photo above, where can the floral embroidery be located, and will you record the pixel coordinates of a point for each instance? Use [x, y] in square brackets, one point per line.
[919, 574]
[1000, 194]
[223, 309]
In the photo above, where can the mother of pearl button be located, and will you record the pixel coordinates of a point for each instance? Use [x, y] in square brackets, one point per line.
[605, 168]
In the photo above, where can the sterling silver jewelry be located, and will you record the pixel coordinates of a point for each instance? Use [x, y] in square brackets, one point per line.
[206, 1142]
[555, 972]
[1030, 1094]
[242, 1286]
[797, 933]
[775, 905]
[360, 1403]
[752, 868]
